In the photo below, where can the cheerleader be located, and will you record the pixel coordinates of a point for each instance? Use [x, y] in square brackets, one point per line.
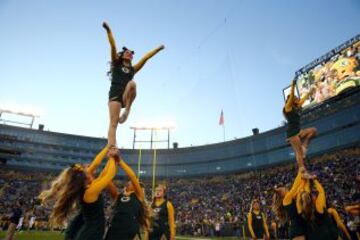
[163, 226]
[314, 212]
[297, 137]
[75, 188]
[131, 212]
[285, 208]
[256, 220]
[123, 88]
[77, 222]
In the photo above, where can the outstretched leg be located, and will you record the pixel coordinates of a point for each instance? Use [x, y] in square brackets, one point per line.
[114, 112]
[128, 98]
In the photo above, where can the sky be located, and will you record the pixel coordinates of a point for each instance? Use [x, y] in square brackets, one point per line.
[230, 55]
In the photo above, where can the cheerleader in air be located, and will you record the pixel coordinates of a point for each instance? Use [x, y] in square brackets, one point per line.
[131, 213]
[298, 138]
[163, 225]
[75, 188]
[256, 222]
[123, 88]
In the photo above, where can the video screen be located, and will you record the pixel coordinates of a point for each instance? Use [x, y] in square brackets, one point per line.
[335, 72]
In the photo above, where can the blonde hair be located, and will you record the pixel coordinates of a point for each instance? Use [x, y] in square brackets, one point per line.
[146, 215]
[150, 214]
[308, 208]
[64, 193]
[252, 203]
[278, 208]
[164, 187]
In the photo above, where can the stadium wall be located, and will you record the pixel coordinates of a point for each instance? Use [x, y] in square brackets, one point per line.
[337, 121]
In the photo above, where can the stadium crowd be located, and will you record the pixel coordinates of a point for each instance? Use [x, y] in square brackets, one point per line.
[202, 204]
[209, 205]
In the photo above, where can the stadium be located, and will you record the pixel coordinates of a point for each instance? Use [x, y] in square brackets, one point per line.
[210, 186]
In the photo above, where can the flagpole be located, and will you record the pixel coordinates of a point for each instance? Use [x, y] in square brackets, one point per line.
[224, 131]
[222, 122]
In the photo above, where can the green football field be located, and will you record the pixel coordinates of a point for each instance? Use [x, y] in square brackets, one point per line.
[58, 236]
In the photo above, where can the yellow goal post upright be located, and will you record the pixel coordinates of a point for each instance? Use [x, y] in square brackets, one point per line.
[153, 129]
[139, 164]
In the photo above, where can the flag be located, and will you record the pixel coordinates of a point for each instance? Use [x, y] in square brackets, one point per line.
[221, 121]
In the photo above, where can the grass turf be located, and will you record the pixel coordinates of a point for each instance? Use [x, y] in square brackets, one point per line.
[34, 235]
[39, 235]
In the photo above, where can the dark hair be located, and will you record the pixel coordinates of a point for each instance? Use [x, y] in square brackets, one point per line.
[118, 60]
[126, 49]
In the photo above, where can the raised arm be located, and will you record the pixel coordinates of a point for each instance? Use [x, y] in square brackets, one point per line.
[111, 41]
[93, 191]
[291, 194]
[149, 55]
[290, 100]
[321, 199]
[97, 160]
[301, 188]
[339, 222]
[111, 187]
[307, 186]
[171, 219]
[135, 182]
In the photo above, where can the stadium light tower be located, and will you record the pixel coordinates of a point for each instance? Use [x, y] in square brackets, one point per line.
[153, 128]
[18, 111]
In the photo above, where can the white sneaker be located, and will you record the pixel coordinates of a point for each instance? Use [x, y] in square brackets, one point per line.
[123, 117]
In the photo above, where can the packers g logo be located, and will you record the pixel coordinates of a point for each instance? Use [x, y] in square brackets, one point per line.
[156, 213]
[125, 199]
[125, 69]
[157, 210]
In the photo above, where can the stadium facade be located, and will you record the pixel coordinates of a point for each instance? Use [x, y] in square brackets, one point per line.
[337, 121]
